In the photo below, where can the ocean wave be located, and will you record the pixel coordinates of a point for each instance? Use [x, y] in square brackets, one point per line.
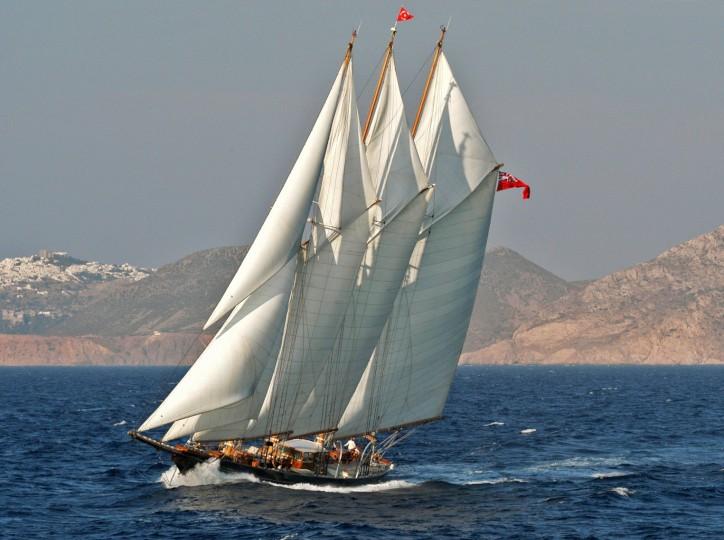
[581, 463]
[494, 424]
[121, 423]
[528, 431]
[611, 474]
[502, 480]
[365, 488]
[622, 491]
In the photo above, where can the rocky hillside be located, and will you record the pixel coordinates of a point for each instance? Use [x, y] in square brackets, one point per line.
[512, 290]
[176, 298]
[39, 291]
[667, 310]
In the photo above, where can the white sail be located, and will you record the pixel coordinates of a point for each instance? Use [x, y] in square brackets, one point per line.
[401, 187]
[230, 367]
[409, 375]
[394, 165]
[379, 279]
[325, 279]
[278, 239]
[452, 149]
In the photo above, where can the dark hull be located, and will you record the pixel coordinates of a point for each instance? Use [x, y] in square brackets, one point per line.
[187, 458]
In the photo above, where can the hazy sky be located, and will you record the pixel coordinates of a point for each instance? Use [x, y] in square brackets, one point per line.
[143, 131]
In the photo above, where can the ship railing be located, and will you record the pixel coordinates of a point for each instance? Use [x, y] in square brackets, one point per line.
[363, 466]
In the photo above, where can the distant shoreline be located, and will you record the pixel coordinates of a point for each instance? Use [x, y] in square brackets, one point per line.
[542, 365]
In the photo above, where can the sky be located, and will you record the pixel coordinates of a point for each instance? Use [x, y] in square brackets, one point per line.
[141, 131]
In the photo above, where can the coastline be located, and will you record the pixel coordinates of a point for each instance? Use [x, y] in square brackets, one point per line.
[174, 349]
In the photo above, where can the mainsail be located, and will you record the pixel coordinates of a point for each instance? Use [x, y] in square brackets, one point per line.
[411, 370]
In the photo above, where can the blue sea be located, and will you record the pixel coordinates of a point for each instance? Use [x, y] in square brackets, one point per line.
[523, 452]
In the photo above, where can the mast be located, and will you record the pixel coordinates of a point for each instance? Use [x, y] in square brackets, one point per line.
[350, 45]
[378, 88]
[426, 89]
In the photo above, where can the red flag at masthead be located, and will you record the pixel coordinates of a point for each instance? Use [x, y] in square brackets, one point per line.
[508, 181]
[404, 15]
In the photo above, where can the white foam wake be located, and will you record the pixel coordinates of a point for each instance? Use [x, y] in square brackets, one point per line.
[203, 474]
[365, 488]
[206, 474]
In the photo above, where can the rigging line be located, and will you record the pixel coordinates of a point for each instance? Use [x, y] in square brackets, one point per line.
[372, 73]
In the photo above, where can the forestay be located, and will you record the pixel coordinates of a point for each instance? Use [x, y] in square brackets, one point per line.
[410, 373]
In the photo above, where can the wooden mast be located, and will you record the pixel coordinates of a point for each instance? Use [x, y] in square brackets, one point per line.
[348, 54]
[426, 89]
[378, 88]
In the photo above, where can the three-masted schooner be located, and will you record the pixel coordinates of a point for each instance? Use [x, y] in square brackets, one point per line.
[346, 319]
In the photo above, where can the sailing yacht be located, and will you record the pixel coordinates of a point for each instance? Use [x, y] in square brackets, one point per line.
[343, 325]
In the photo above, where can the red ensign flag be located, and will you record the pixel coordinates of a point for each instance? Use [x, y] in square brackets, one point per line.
[508, 181]
[404, 15]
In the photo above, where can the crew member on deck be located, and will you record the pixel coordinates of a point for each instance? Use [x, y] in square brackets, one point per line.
[352, 451]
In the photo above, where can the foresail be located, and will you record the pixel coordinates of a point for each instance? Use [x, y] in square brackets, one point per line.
[229, 369]
[278, 239]
[410, 372]
[239, 415]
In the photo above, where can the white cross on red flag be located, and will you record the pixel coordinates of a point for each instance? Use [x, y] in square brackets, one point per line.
[404, 15]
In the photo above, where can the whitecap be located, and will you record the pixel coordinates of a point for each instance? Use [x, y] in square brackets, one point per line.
[527, 431]
[501, 480]
[494, 424]
[623, 491]
[365, 488]
[121, 423]
[612, 474]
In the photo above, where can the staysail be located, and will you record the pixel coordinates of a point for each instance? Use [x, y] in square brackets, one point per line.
[230, 368]
[411, 370]
[325, 276]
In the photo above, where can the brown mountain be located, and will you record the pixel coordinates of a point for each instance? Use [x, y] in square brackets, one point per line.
[667, 310]
[177, 298]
